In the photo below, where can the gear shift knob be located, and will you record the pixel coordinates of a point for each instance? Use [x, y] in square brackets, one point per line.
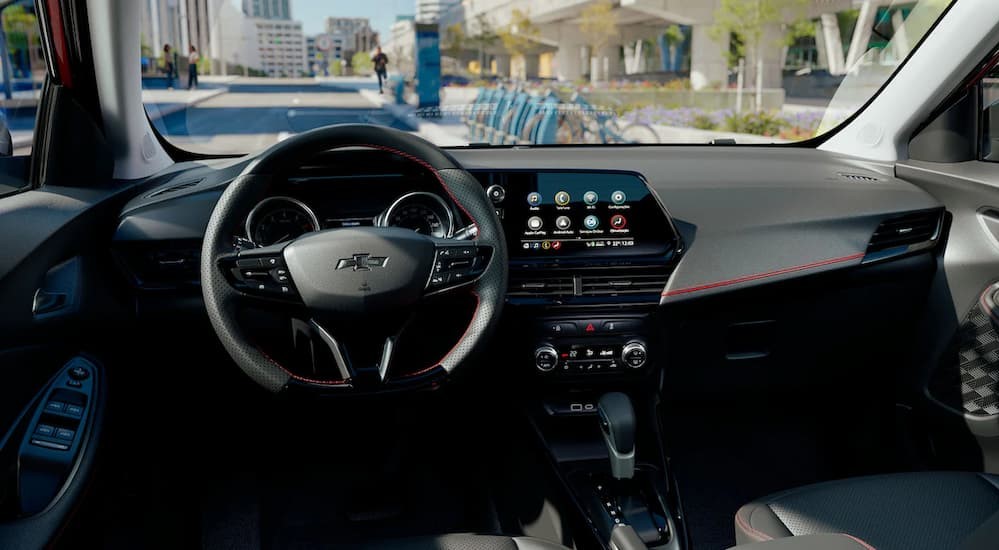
[617, 423]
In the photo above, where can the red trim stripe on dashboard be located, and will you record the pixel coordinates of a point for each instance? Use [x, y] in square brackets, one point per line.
[757, 276]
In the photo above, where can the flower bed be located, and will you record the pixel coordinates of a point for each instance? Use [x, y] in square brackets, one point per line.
[795, 126]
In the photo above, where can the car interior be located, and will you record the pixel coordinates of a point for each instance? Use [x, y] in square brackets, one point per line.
[356, 338]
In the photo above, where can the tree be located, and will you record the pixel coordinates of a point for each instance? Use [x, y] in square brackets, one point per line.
[361, 62]
[21, 29]
[598, 23]
[520, 35]
[673, 36]
[454, 40]
[746, 21]
[484, 38]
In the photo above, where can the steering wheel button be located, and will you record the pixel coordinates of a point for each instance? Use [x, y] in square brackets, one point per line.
[248, 262]
[459, 264]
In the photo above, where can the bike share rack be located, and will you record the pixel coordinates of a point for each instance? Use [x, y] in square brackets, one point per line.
[512, 116]
[501, 116]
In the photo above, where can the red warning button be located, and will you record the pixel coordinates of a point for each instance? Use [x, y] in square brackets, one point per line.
[590, 328]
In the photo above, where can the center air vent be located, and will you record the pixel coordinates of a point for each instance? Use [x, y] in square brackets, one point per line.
[618, 285]
[540, 286]
[590, 285]
[906, 233]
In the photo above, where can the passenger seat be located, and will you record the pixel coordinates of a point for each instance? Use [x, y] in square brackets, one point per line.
[932, 510]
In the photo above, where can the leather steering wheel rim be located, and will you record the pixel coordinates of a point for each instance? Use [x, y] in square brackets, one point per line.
[222, 299]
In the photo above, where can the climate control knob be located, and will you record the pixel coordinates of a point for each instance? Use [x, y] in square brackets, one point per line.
[545, 358]
[634, 355]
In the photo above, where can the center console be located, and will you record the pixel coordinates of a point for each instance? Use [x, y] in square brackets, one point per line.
[590, 254]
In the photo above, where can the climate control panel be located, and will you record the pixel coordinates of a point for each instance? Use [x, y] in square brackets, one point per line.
[591, 346]
[581, 358]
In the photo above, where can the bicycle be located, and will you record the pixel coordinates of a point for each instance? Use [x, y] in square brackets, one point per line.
[584, 123]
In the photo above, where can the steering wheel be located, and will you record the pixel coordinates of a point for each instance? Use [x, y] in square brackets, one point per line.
[363, 279]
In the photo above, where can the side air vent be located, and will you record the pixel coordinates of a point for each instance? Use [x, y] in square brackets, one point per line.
[540, 286]
[861, 178]
[173, 188]
[905, 234]
[620, 285]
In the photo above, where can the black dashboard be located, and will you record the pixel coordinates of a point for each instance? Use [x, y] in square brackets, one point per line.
[598, 245]
[642, 226]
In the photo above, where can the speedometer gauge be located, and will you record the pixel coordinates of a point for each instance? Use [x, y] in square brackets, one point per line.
[279, 219]
[424, 213]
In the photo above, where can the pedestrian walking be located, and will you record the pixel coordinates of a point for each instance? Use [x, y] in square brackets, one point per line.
[192, 68]
[381, 67]
[169, 65]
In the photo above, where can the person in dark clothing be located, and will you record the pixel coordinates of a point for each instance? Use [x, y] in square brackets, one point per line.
[169, 65]
[192, 68]
[381, 67]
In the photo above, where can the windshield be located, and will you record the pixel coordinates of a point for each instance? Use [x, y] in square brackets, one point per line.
[235, 76]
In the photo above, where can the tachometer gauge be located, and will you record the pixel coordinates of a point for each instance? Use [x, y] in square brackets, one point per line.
[279, 219]
[425, 213]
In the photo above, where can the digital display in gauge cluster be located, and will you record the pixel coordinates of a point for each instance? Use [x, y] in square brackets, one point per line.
[579, 214]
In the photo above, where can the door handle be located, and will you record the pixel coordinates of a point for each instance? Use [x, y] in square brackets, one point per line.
[48, 302]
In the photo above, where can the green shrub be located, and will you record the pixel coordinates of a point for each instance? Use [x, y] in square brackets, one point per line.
[704, 122]
[761, 123]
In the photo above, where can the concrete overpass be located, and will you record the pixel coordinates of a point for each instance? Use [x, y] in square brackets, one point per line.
[563, 51]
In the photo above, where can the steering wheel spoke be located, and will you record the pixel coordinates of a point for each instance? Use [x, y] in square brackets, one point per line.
[457, 264]
[361, 355]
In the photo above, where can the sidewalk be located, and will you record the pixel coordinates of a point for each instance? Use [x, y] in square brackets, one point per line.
[161, 103]
[158, 103]
[445, 133]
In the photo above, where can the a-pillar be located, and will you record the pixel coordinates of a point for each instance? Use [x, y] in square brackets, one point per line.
[708, 59]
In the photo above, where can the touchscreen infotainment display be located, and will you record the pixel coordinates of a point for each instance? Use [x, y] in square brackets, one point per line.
[579, 214]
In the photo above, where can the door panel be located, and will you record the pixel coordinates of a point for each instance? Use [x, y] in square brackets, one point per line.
[960, 370]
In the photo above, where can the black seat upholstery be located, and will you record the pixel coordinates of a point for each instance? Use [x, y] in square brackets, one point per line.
[938, 510]
[464, 542]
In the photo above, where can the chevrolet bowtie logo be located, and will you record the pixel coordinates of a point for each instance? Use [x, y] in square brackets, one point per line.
[362, 262]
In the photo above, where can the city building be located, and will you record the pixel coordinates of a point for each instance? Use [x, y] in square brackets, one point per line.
[321, 51]
[234, 40]
[358, 36]
[401, 44]
[430, 11]
[562, 50]
[281, 47]
[267, 9]
[180, 23]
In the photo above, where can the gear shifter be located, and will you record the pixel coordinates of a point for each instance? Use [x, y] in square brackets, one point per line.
[617, 423]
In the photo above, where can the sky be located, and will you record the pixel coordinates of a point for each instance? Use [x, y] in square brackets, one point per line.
[313, 13]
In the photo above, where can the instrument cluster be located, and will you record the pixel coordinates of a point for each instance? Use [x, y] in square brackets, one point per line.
[282, 218]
